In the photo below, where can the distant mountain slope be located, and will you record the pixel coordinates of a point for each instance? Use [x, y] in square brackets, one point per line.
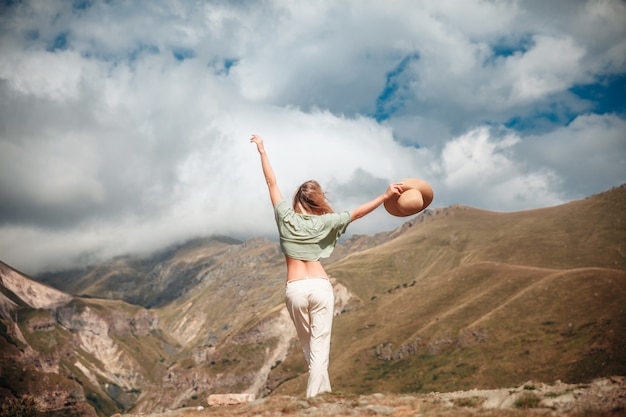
[469, 298]
[584, 233]
[147, 281]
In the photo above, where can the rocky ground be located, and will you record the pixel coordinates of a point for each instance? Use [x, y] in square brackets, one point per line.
[601, 398]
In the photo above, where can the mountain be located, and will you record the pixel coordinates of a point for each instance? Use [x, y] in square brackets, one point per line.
[455, 298]
[72, 354]
[149, 282]
[467, 298]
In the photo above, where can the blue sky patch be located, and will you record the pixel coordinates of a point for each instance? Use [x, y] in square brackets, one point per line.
[505, 48]
[390, 100]
[81, 4]
[182, 54]
[608, 96]
[542, 119]
[229, 63]
[59, 43]
[222, 66]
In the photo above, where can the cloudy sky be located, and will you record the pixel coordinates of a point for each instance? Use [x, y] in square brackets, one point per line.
[125, 126]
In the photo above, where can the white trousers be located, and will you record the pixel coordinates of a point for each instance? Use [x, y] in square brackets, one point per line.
[310, 303]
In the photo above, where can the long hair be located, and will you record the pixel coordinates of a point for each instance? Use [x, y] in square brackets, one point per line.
[310, 198]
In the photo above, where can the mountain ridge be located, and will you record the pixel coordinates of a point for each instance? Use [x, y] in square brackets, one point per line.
[454, 298]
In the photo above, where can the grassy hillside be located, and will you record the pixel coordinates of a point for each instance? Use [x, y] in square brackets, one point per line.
[456, 298]
[468, 298]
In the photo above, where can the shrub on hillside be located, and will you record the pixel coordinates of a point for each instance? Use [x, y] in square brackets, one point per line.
[26, 406]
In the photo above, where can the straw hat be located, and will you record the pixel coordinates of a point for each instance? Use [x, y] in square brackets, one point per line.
[416, 196]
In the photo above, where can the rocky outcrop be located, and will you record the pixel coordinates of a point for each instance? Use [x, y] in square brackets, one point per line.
[7, 306]
[93, 332]
[281, 328]
[601, 397]
[57, 346]
[387, 351]
[33, 293]
[229, 399]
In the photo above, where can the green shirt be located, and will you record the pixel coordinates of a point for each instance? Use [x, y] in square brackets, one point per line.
[307, 236]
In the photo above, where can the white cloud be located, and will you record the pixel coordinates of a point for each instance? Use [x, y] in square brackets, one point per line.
[481, 169]
[589, 154]
[475, 159]
[55, 76]
[550, 66]
[125, 127]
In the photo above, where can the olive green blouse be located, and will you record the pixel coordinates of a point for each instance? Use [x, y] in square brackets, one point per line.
[309, 237]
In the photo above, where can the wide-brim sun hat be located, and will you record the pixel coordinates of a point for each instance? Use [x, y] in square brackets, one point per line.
[416, 196]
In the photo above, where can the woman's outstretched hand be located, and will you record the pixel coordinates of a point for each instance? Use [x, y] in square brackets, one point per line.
[259, 142]
[393, 190]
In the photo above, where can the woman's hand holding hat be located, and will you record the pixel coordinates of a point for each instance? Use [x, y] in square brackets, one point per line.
[414, 197]
[394, 190]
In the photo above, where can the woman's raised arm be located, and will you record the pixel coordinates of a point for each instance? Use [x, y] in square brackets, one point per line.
[268, 172]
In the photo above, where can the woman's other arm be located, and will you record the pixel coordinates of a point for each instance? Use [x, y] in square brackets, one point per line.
[268, 172]
[393, 190]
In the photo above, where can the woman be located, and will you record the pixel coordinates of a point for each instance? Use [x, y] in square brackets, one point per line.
[308, 231]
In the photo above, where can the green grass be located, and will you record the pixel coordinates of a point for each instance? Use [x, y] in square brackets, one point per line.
[470, 402]
[527, 400]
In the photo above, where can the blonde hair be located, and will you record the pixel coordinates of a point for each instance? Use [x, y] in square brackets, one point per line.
[310, 199]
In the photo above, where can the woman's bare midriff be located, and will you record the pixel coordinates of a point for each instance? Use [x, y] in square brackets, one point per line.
[299, 269]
